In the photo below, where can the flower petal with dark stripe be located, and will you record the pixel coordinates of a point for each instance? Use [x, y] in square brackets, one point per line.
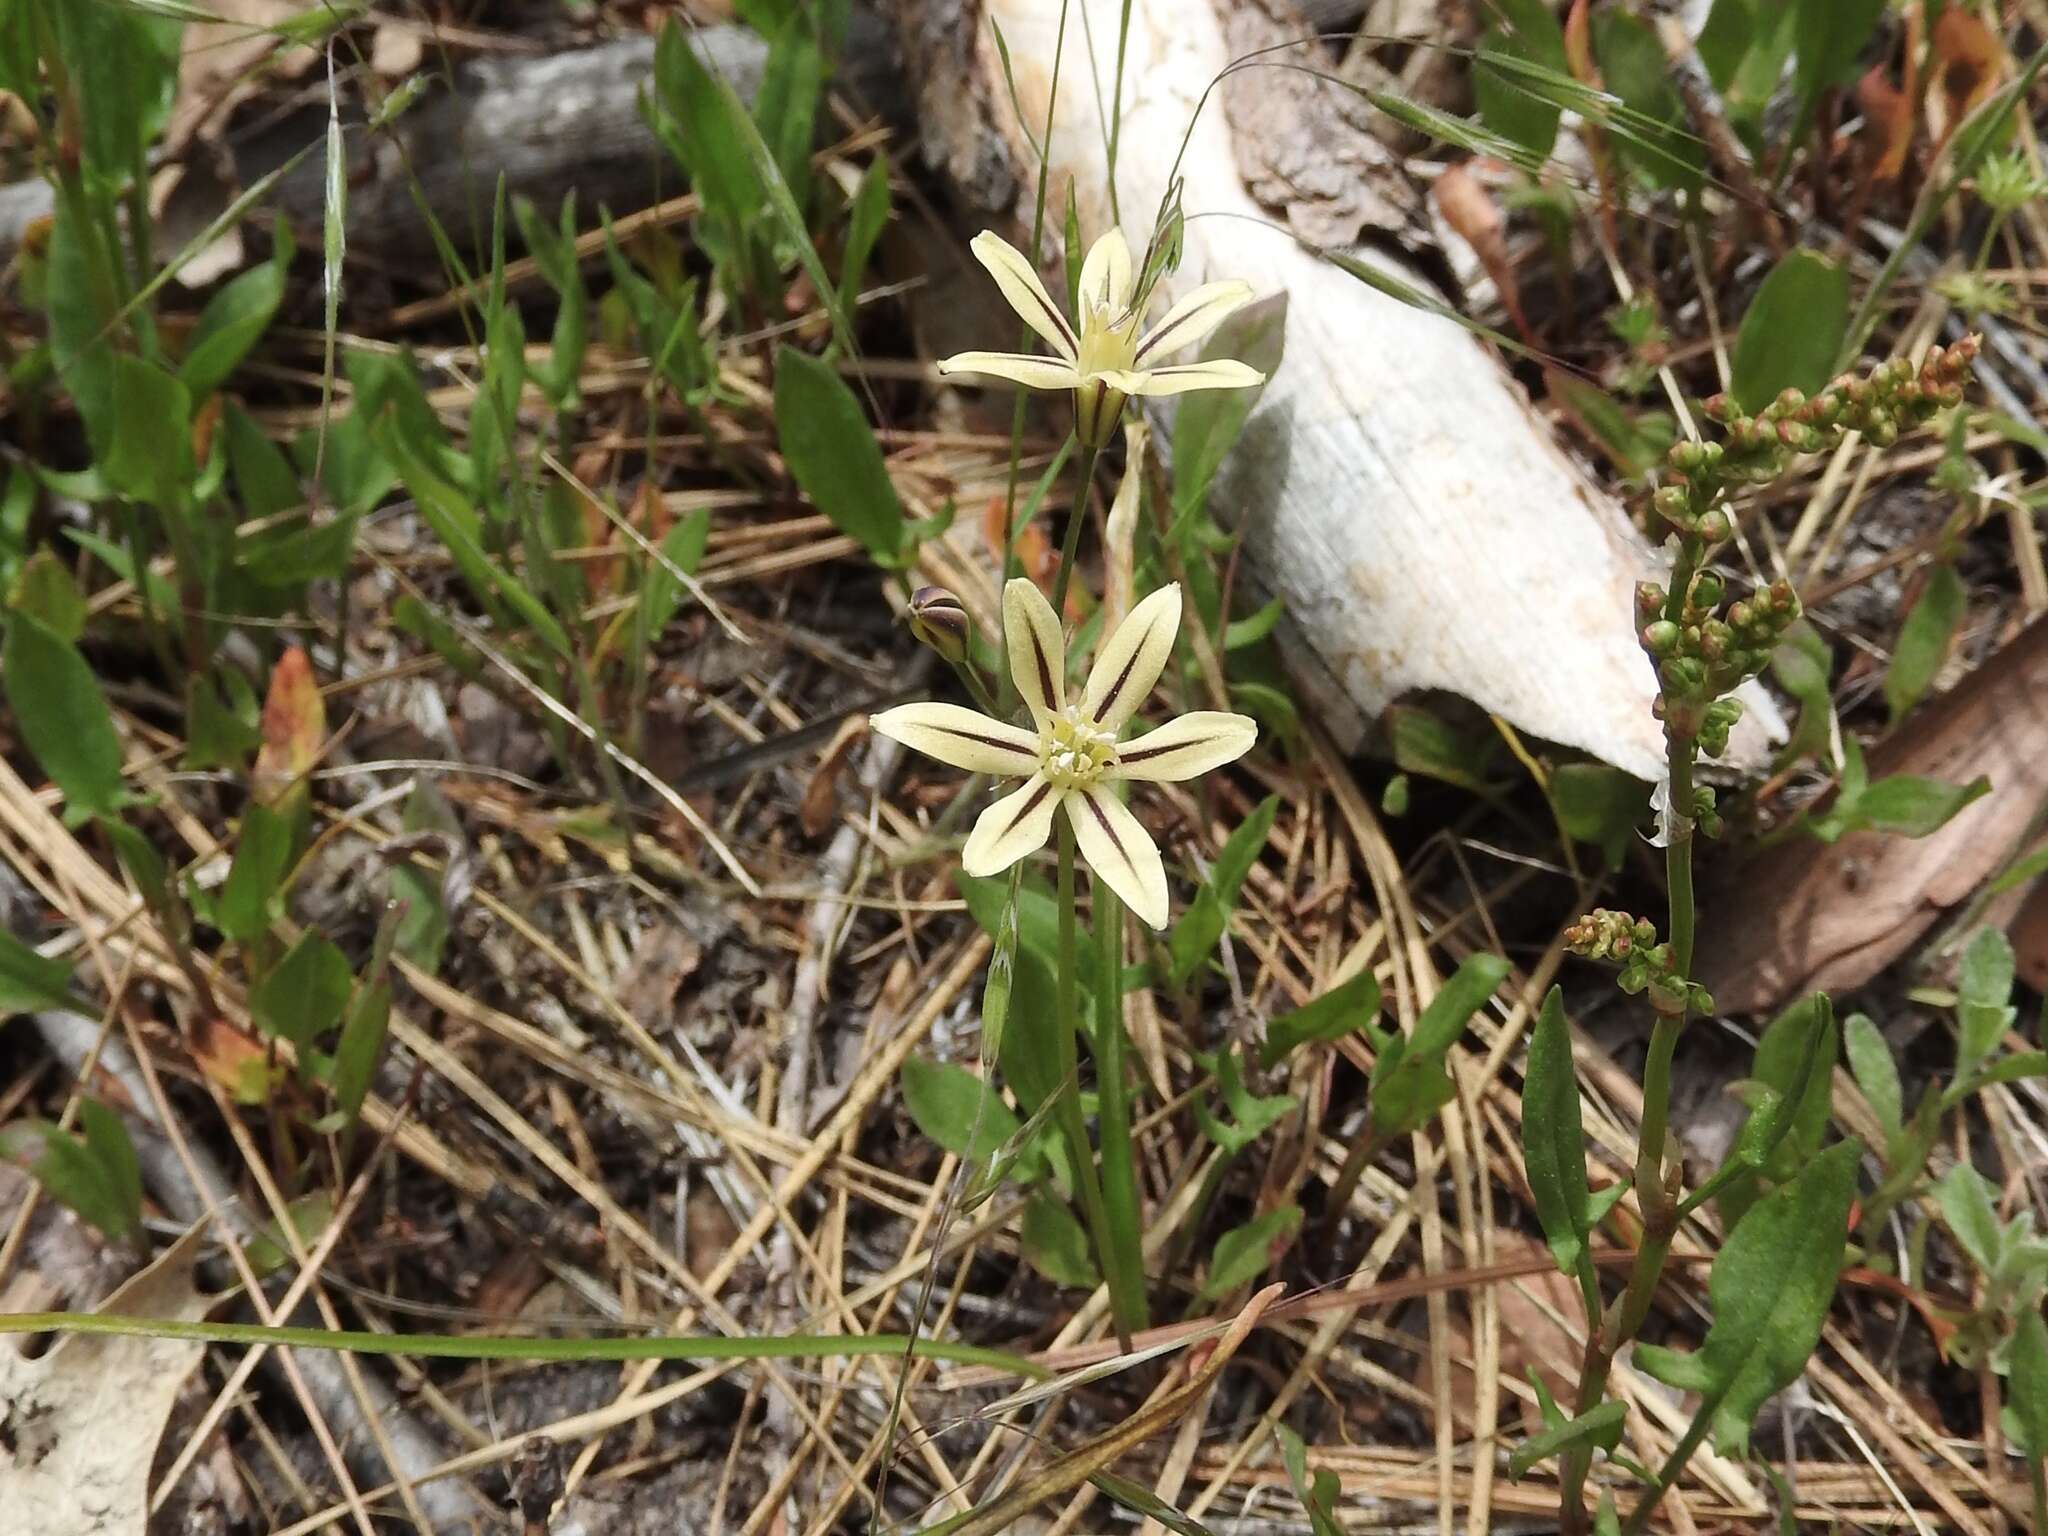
[1186, 747]
[1131, 660]
[1070, 757]
[963, 738]
[1103, 356]
[1016, 825]
[1038, 650]
[1119, 850]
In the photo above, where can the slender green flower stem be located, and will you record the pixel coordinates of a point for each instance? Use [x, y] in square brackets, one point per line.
[1084, 480]
[1066, 1027]
[1702, 1421]
[466, 1346]
[1052, 101]
[1654, 1196]
[2037, 1471]
[1123, 1264]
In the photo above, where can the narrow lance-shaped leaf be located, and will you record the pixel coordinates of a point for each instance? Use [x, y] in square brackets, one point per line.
[1599, 1426]
[956, 1109]
[29, 981]
[1343, 1010]
[2027, 1389]
[1554, 1137]
[1244, 1253]
[1318, 1494]
[1871, 1064]
[1793, 1068]
[1965, 1198]
[1195, 936]
[305, 994]
[234, 320]
[1984, 1009]
[1055, 1243]
[1770, 1290]
[1792, 331]
[1924, 640]
[831, 450]
[62, 717]
[1410, 1085]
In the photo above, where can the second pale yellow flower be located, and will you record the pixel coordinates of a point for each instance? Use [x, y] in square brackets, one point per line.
[1070, 759]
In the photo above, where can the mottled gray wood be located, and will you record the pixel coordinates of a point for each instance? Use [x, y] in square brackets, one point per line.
[546, 124]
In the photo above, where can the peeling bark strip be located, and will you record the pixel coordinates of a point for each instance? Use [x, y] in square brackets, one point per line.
[1393, 487]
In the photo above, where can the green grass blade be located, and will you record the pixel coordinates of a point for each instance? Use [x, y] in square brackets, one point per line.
[447, 1346]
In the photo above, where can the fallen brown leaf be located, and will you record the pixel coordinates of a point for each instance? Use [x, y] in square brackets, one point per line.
[1802, 917]
[82, 1422]
[222, 63]
[1887, 122]
[1475, 217]
[1967, 55]
[820, 806]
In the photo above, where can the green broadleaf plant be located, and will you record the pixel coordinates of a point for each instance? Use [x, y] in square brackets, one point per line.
[1770, 1289]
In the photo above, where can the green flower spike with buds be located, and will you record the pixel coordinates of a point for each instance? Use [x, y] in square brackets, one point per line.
[1070, 758]
[1108, 359]
[1646, 965]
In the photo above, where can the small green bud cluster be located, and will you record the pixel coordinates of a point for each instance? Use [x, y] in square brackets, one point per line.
[1755, 449]
[1646, 965]
[1705, 654]
[2006, 183]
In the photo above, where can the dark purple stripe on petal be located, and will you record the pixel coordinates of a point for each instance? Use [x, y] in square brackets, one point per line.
[1030, 805]
[1140, 753]
[975, 736]
[1044, 669]
[1059, 321]
[1109, 832]
[1124, 677]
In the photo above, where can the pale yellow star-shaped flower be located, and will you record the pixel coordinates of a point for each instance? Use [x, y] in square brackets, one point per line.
[1069, 757]
[1107, 359]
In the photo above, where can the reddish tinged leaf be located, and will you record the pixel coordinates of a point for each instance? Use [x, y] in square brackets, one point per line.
[1036, 555]
[205, 421]
[1887, 122]
[1578, 45]
[1471, 211]
[294, 727]
[1967, 55]
[247, 1069]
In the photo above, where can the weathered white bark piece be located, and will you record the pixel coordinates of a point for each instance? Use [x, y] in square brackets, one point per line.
[1423, 527]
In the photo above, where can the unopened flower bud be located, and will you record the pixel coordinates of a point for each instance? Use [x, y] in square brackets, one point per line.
[1683, 675]
[1649, 600]
[1673, 505]
[1706, 590]
[1715, 527]
[937, 619]
[1661, 638]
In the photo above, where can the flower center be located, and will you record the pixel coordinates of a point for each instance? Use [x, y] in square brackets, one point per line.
[1108, 340]
[1075, 751]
